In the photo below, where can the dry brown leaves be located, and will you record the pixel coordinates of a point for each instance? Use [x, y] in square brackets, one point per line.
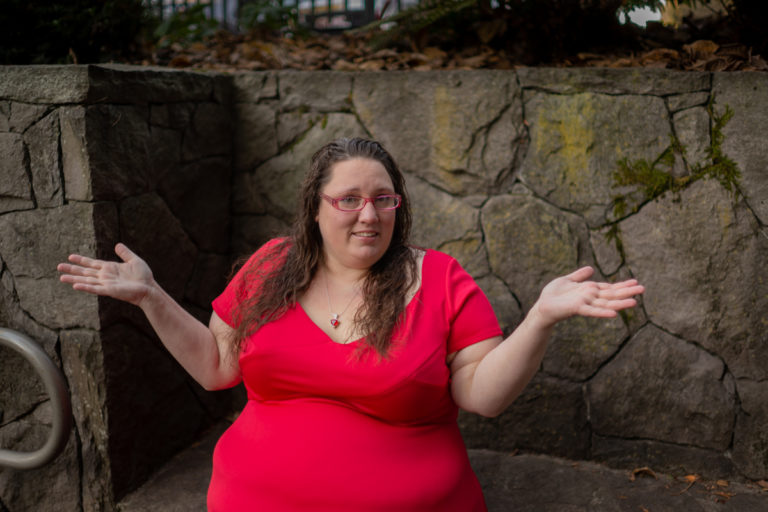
[343, 52]
[698, 56]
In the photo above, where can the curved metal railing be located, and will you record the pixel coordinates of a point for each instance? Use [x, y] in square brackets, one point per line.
[57, 390]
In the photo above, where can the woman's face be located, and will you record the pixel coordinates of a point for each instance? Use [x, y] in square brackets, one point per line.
[356, 239]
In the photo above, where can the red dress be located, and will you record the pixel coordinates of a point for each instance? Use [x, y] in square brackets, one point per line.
[325, 430]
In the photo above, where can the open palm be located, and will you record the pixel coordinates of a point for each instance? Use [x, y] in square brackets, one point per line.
[129, 281]
[573, 295]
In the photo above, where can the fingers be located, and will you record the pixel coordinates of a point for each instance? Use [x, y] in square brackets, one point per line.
[85, 261]
[613, 305]
[619, 293]
[124, 252]
[582, 274]
[597, 312]
[76, 270]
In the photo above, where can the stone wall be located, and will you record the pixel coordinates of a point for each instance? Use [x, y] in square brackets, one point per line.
[91, 156]
[512, 173]
[509, 171]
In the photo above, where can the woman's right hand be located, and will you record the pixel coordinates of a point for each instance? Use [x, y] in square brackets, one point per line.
[130, 281]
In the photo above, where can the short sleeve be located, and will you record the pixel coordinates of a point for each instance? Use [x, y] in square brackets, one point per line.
[470, 314]
[245, 284]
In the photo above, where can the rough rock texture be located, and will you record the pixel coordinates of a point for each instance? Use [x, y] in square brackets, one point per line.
[512, 172]
[92, 156]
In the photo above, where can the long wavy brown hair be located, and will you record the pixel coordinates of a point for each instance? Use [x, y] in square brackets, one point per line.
[290, 265]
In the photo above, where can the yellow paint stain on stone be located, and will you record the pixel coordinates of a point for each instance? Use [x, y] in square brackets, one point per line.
[446, 123]
[566, 126]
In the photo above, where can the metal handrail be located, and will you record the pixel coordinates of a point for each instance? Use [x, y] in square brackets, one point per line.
[57, 390]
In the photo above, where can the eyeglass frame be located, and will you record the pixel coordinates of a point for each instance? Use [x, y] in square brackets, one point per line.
[366, 200]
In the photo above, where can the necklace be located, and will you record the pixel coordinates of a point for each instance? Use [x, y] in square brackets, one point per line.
[335, 316]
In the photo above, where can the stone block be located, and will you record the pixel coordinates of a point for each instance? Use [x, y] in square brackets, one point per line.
[322, 91]
[645, 81]
[683, 101]
[12, 316]
[252, 87]
[662, 388]
[448, 112]
[581, 345]
[151, 230]
[431, 207]
[469, 251]
[747, 95]
[689, 251]
[83, 365]
[675, 459]
[570, 160]
[249, 232]
[607, 255]
[74, 154]
[255, 136]
[292, 125]
[529, 243]
[248, 196]
[44, 84]
[198, 194]
[550, 416]
[171, 115]
[208, 279]
[209, 133]
[142, 85]
[118, 138]
[692, 129]
[5, 114]
[750, 440]
[15, 188]
[42, 140]
[504, 303]
[51, 235]
[52, 487]
[23, 115]
[21, 389]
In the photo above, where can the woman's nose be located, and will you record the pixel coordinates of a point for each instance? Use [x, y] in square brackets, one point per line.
[369, 213]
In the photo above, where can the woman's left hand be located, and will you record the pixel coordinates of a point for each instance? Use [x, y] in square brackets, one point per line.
[573, 295]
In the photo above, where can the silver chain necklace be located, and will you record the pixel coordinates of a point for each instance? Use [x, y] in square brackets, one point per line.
[335, 316]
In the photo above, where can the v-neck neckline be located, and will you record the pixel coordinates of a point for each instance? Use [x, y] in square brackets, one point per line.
[355, 342]
[308, 318]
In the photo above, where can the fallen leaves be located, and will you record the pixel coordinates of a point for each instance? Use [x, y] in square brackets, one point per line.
[345, 52]
[691, 479]
[700, 55]
[644, 471]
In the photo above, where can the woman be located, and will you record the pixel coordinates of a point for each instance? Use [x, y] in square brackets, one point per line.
[355, 350]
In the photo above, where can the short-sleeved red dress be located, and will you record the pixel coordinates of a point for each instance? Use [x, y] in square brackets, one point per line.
[328, 430]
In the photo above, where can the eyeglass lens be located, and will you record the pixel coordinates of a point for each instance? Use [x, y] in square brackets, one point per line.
[357, 203]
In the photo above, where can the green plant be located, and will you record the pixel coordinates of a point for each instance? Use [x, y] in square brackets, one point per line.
[264, 17]
[185, 26]
[652, 180]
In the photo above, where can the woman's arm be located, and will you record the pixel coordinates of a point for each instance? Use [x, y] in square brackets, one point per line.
[488, 376]
[204, 352]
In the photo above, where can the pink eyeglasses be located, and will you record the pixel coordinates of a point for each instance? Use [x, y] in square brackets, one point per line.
[357, 203]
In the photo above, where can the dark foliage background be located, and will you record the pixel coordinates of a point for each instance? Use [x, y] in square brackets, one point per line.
[83, 31]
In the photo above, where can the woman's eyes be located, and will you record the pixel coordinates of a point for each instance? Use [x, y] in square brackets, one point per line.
[349, 201]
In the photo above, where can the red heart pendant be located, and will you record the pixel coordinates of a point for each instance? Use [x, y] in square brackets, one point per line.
[335, 322]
